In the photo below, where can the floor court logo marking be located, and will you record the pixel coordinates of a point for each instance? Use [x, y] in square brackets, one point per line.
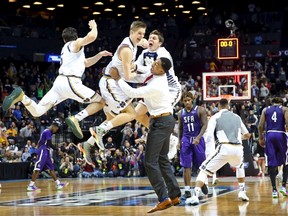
[110, 196]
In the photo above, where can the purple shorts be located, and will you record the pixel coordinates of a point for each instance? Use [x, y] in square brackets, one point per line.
[43, 160]
[276, 148]
[191, 154]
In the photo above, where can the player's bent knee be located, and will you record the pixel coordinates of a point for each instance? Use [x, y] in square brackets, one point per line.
[201, 176]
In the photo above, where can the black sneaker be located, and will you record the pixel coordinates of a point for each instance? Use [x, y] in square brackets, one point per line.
[186, 195]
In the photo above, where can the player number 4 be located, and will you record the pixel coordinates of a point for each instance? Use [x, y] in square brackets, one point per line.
[274, 117]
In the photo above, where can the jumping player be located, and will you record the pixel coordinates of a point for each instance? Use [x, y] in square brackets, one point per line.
[68, 84]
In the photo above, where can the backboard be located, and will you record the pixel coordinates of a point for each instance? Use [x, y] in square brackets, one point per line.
[217, 84]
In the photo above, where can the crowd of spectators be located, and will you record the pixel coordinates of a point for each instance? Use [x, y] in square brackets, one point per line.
[125, 146]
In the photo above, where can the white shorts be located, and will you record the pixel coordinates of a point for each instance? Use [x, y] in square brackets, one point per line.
[116, 100]
[224, 153]
[69, 88]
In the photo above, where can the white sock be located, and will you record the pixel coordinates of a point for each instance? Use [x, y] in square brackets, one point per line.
[31, 183]
[197, 191]
[81, 115]
[91, 140]
[206, 181]
[106, 125]
[57, 181]
[242, 186]
[187, 188]
[26, 100]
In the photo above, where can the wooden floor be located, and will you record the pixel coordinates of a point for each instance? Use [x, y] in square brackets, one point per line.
[133, 196]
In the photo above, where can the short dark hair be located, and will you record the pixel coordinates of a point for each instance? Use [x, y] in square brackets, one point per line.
[223, 102]
[165, 63]
[187, 94]
[69, 34]
[277, 100]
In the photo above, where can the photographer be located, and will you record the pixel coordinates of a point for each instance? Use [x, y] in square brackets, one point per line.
[132, 163]
[66, 168]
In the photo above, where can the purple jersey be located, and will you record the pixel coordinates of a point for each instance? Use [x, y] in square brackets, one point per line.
[43, 152]
[190, 153]
[275, 118]
[191, 122]
[276, 139]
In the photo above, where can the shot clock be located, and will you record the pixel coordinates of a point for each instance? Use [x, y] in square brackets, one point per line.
[227, 48]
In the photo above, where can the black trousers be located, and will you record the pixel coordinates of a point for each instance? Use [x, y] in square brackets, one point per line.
[157, 164]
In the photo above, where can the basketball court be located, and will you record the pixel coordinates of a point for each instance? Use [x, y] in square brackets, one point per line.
[134, 196]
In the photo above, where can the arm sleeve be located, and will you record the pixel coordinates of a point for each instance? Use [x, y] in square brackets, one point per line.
[141, 92]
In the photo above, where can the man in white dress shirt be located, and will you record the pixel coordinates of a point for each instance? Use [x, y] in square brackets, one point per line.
[158, 101]
[144, 62]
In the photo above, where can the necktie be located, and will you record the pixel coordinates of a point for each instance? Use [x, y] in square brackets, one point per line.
[145, 82]
[147, 79]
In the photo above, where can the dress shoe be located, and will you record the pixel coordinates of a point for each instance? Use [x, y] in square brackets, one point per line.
[176, 201]
[161, 205]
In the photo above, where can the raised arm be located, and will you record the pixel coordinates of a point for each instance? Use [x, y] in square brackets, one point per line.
[89, 38]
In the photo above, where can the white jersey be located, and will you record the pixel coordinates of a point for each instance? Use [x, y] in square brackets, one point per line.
[72, 64]
[116, 62]
[146, 59]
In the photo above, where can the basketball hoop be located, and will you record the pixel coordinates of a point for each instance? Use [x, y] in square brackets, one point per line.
[227, 96]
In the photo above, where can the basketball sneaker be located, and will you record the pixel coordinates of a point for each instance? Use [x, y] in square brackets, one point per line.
[274, 194]
[33, 188]
[98, 133]
[186, 195]
[73, 124]
[61, 185]
[85, 147]
[16, 95]
[194, 200]
[242, 196]
[283, 191]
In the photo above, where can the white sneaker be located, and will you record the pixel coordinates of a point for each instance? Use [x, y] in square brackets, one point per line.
[194, 200]
[275, 194]
[283, 191]
[242, 196]
[215, 181]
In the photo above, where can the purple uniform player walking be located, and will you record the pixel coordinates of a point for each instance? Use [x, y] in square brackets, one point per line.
[44, 160]
[276, 119]
[192, 125]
